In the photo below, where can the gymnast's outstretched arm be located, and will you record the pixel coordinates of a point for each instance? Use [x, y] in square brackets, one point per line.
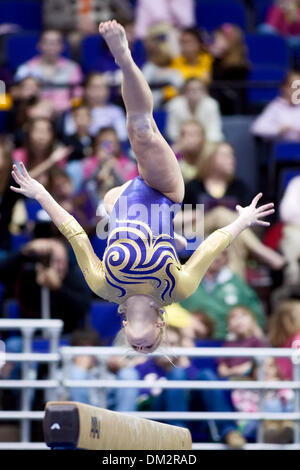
[88, 261]
[195, 268]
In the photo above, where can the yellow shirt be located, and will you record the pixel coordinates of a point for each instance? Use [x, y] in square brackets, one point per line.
[201, 69]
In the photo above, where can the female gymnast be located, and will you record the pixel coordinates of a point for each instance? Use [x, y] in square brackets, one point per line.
[140, 269]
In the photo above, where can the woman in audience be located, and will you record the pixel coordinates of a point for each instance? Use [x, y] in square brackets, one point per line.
[218, 189]
[103, 114]
[189, 148]
[7, 200]
[289, 211]
[284, 332]
[281, 118]
[194, 103]
[230, 66]
[163, 80]
[81, 141]
[39, 144]
[108, 167]
[193, 60]
[284, 18]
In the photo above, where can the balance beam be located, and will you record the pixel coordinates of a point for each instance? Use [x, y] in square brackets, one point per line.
[78, 426]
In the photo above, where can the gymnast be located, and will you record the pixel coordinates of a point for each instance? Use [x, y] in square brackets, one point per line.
[140, 269]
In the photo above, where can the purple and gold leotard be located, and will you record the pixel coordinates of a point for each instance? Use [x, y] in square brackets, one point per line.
[141, 257]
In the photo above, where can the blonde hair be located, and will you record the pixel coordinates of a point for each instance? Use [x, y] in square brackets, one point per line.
[206, 159]
[158, 46]
[162, 347]
[285, 322]
[237, 52]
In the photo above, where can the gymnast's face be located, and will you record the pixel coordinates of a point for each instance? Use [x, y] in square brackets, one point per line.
[143, 327]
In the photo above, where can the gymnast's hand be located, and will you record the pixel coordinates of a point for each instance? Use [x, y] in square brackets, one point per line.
[28, 186]
[251, 214]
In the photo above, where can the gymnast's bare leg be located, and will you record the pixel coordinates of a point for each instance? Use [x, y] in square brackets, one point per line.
[157, 163]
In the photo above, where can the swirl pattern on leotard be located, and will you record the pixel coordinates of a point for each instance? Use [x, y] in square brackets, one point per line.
[134, 256]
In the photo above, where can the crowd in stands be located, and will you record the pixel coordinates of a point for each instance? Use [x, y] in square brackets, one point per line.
[62, 115]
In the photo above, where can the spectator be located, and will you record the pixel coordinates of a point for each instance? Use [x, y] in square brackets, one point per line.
[190, 147]
[194, 103]
[39, 144]
[107, 168]
[280, 119]
[81, 141]
[152, 12]
[230, 66]
[284, 18]
[284, 332]
[216, 183]
[290, 242]
[103, 114]
[245, 333]
[56, 73]
[7, 199]
[217, 188]
[27, 104]
[277, 401]
[79, 204]
[164, 81]
[193, 60]
[44, 263]
[88, 368]
[219, 292]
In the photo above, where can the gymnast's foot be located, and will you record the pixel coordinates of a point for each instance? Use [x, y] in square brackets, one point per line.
[115, 37]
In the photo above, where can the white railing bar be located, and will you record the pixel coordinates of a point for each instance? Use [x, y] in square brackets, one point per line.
[34, 357]
[195, 446]
[182, 384]
[19, 415]
[172, 415]
[191, 352]
[254, 446]
[23, 446]
[29, 384]
[23, 323]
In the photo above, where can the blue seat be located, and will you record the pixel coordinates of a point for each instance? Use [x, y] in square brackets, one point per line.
[270, 77]
[95, 56]
[268, 49]
[25, 13]
[261, 8]
[207, 362]
[11, 309]
[210, 14]
[90, 52]
[41, 345]
[3, 119]
[286, 152]
[104, 318]
[160, 117]
[21, 47]
[286, 176]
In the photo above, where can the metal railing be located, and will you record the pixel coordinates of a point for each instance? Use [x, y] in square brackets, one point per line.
[67, 354]
[51, 329]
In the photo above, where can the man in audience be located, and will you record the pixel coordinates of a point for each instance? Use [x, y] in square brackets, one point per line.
[44, 263]
[59, 76]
